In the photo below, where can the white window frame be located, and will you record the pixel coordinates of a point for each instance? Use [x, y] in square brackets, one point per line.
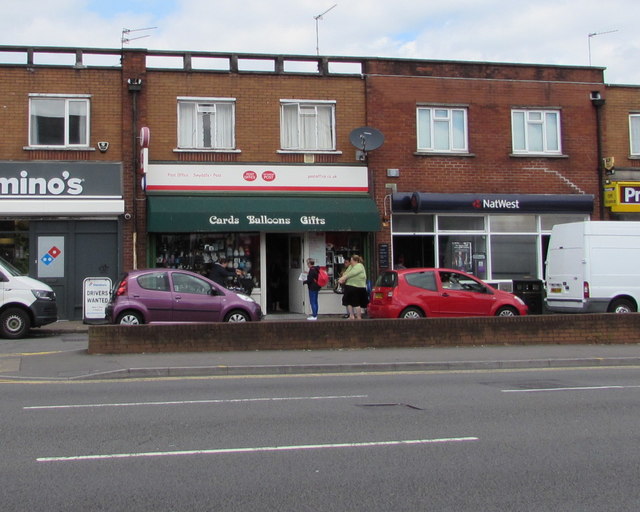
[67, 100]
[634, 134]
[438, 117]
[317, 138]
[532, 120]
[221, 136]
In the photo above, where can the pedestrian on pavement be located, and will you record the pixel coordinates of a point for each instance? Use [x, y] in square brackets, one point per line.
[355, 288]
[314, 288]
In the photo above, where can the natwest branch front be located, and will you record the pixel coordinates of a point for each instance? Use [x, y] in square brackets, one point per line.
[265, 220]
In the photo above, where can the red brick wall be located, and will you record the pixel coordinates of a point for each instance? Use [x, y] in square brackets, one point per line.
[620, 102]
[537, 329]
[106, 118]
[257, 109]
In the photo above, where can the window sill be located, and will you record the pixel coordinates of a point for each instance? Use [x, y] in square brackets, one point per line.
[205, 150]
[537, 155]
[308, 152]
[444, 154]
[58, 148]
[634, 157]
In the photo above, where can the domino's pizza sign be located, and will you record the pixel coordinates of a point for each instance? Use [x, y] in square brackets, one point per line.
[50, 256]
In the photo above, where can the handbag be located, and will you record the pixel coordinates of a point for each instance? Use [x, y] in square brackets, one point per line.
[338, 288]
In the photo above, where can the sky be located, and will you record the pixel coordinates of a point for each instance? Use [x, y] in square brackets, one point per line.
[563, 32]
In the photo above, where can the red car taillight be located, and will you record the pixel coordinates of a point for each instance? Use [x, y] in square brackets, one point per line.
[122, 288]
[585, 290]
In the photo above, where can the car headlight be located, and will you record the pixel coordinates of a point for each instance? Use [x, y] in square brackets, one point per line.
[245, 297]
[44, 294]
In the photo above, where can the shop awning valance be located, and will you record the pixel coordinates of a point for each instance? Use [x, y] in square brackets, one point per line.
[184, 214]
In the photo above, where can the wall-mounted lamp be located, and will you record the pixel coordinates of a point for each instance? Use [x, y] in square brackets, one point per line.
[135, 84]
[393, 173]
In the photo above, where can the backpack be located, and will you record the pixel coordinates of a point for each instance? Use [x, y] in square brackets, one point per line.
[323, 277]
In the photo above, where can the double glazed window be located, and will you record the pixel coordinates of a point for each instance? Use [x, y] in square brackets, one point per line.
[206, 123]
[58, 121]
[442, 129]
[307, 126]
[536, 131]
[634, 134]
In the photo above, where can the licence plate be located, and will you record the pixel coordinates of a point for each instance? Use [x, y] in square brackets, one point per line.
[377, 295]
[556, 290]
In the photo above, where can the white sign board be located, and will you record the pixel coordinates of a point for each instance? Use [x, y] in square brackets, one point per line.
[189, 178]
[96, 292]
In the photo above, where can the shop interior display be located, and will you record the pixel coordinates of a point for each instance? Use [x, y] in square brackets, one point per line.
[199, 252]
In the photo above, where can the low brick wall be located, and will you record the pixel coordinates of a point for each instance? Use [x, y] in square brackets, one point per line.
[302, 335]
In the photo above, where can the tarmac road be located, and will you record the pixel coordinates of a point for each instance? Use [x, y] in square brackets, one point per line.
[59, 352]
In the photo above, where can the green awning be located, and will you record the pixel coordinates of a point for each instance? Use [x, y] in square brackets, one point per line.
[172, 214]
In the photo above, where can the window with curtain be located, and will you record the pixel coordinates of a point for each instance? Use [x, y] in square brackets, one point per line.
[206, 124]
[536, 131]
[634, 134]
[307, 126]
[442, 129]
[58, 121]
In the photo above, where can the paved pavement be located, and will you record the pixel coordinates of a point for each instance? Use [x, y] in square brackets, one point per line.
[58, 352]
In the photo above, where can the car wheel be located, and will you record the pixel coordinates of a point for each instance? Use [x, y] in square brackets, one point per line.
[14, 323]
[237, 316]
[507, 311]
[130, 318]
[621, 306]
[412, 313]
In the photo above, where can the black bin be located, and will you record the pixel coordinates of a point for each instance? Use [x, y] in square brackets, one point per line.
[531, 291]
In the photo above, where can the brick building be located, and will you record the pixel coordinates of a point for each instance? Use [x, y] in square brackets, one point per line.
[480, 160]
[251, 158]
[621, 151]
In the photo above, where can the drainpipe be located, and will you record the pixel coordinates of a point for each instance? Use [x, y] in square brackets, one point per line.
[135, 86]
[598, 102]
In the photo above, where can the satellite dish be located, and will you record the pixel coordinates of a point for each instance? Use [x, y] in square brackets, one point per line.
[366, 138]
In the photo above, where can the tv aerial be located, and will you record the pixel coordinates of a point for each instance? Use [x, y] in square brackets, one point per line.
[126, 39]
[318, 18]
[365, 139]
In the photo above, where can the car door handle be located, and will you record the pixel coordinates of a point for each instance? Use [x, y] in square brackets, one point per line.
[445, 294]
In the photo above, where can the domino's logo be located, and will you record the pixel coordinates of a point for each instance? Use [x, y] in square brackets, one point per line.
[51, 255]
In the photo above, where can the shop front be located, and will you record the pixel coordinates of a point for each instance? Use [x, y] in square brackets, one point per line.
[59, 224]
[497, 237]
[264, 221]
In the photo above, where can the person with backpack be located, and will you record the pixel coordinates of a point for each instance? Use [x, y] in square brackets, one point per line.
[314, 283]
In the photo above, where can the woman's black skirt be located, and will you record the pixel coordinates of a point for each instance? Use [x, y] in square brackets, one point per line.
[355, 297]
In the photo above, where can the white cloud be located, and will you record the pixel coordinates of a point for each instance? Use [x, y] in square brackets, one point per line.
[546, 31]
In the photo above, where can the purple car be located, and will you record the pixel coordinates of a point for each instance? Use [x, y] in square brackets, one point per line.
[176, 296]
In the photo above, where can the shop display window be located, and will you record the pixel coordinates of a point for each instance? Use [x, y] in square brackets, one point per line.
[340, 247]
[14, 243]
[197, 252]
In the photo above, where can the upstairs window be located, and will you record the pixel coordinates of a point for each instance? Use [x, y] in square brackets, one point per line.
[307, 126]
[58, 121]
[536, 132]
[634, 134]
[206, 123]
[442, 130]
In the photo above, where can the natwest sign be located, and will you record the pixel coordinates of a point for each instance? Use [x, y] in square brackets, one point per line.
[491, 203]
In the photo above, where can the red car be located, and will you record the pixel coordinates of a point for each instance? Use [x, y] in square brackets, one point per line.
[443, 292]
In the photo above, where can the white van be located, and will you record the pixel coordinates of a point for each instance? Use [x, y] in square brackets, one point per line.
[24, 302]
[594, 266]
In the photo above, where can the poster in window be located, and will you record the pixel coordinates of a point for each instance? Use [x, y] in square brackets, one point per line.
[461, 256]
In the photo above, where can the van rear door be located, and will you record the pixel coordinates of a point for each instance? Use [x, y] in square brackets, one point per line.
[565, 278]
